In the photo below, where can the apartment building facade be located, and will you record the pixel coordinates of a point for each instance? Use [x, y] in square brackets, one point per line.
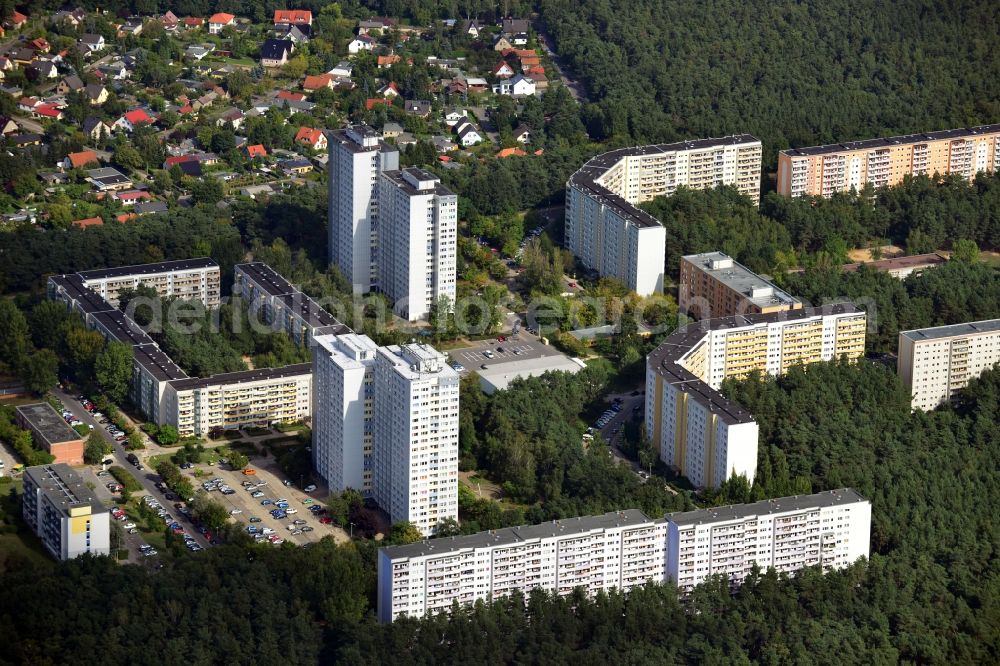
[343, 446]
[606, 230]
[190, 279]
[619, 551]
[825, 170]
[64, 513]
[357, 156]
[712, 285]
[935, 363]
[415, 471]
[706, 437]
[275, 302]
[262, 397]
[831, 530]
[418, 236]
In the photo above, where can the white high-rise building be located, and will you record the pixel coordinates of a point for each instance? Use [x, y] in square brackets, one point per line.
[935, 363]
[65, 513]
[610, 234]
[357, 155]
[830, 529]
[343, 370]
[416, 436]
[418, 229]
[619, 550]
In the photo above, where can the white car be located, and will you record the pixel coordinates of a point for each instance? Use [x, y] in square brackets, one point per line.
[235, 512]
[310, 488]
[129, 525]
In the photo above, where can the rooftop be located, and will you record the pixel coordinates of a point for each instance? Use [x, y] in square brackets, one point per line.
[121, 328]
[720, 514]
[64, 488]
[47, 423]
[243, 376]
[665, 358]
[266, 278]
[149, 269]
[155, 361]
[953, 330]
[399, 179]
[739, 278]
[498, 376]
[899, 263]
[889, 142]
[517, 535]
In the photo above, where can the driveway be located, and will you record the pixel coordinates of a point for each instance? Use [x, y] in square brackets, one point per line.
[131, 542]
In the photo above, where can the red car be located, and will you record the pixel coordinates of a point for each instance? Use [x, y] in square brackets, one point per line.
[326, 520]
[501, 339]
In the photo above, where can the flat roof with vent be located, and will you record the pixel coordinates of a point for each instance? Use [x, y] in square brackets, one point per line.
[47, 423]
[953, 330]
[721, 514]
[510, 536]
[755, 288]
[64, 488]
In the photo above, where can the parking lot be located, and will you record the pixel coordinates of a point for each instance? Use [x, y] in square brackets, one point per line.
[273, 490]
[512, 348]
[132, 541]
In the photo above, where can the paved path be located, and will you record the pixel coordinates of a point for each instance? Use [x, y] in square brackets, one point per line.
[576, 88]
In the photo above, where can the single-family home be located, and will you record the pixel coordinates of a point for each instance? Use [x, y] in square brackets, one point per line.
[519, 39]
[275, 52]
[254, 151]
[468, 134]
[503, 70]
[40, 45]
[133, 119]
[219, 21]
[470, 28]
[417, 107]
[88, 222]
[80, 160]
[343, 68]
[132, 26]
[96, 93]
[510, 152]
[108, 179]
[71, 83]
[372, 102]
[24, 140]
[296, 34]
[443, 144]
[231, 116]
[317, 81]
[293, 17]
[360, 43]
[519, 86]
[512, 26]
[389, 90]
[198, 51]
[96, 129]
[22, 56]
[169, 21]
[377, 24]
[49, 111]
[311, 138]
[41, 70]
[502, 44]
[28, 104]
[71, 17]
[290, 96]
[17, 20]
[131, 197]
[92, 43]
[8, 126]
[150, 208]
[522, 134]
[391, 130]
[455, 116]
[193, 22]
[296, 166]
[387, 61]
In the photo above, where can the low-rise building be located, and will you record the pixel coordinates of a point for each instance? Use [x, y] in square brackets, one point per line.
[830, 530]
[64, 513]
[712, 284]
[936, 363]
[901, 267]
[50, 432]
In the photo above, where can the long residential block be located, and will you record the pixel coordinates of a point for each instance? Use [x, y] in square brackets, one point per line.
[615, 551]
[191, 279]
[935, 363]
[623, 550]
[712, 284]
[606, 230]
[699, 432]
[64, 513]
[831, 530]
[825, 170]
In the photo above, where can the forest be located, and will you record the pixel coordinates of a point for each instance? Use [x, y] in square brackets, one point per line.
[791, 73]
[930, 593]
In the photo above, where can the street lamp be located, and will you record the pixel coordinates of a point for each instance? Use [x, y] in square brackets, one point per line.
[352, 529]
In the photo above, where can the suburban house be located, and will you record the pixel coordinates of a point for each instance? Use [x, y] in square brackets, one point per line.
[92, 43]
[50, 111]
[293, 17]
[254, 151]
[468, 134]
[522, 134]
[131, 197]
[219, 21]
[502, 44]
[360, 43]
[132, 26]
[476, 84]
[231, 116]
[389, 90]
[169, 21]
[17, 20]
[80, 159]
[71, 83]
[513, 26]
[297, 34]
[96, 129]
[503, 70]
[311, 138]
[391, 130]
[470, 28]
[378, 23]
[387, 61]
[343, 68]
[296, 166]
[519, 86]
[96, 93]
[455, 116]
[42, 70]
[193, 22]
[417, 107]
[8, 126]
[88, 222]
[317, 81]
[510, 152]
[132, 119]
[290, 96]
[275, 52]
[108, 179]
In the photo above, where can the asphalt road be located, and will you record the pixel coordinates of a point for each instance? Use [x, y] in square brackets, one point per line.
[146, 477]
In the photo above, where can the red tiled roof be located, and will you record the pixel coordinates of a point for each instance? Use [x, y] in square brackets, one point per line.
[256, 150]
[187, 108]
[372, 102]
[288, 94]
[17, 17]
[308, 135]
[316, 82]
[125, 217]
[82, 158]
[88, 222]
[194, 21]
[136, 116]
[511, 152]
[134, 195]
[222, 18]
[48, 110]
[293, 16]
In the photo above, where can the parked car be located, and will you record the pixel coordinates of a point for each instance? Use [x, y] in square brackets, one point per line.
[310, 488]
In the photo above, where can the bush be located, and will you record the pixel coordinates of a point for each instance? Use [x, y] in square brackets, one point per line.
[21, 441]
[124, 477]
